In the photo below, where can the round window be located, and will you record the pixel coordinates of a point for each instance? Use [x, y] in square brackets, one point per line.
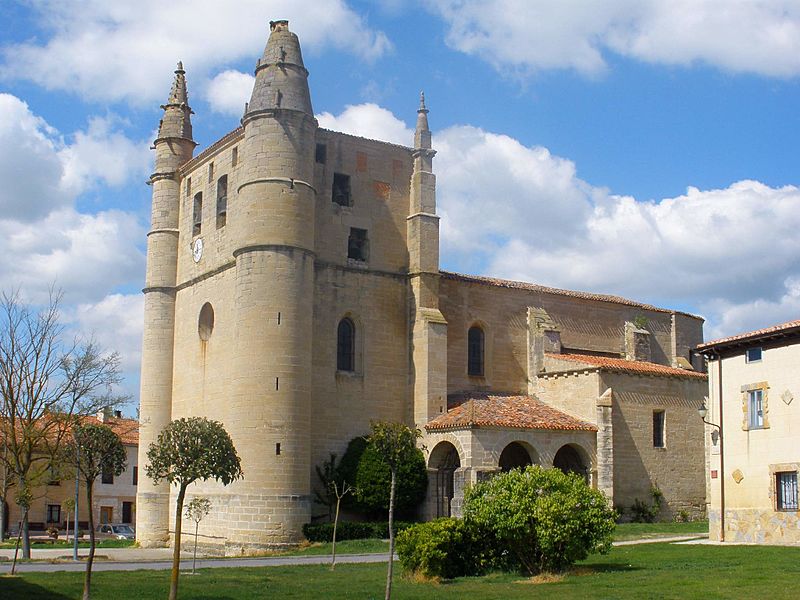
[205, 323]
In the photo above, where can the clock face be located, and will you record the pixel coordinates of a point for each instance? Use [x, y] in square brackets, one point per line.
[197, 249]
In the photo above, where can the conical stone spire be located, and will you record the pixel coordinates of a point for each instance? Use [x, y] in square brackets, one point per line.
[177, 121]
[281, 77]
[422, 136]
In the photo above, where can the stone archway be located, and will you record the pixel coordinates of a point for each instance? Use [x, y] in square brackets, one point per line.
[569, 459]
[514, 456]
[444, 461]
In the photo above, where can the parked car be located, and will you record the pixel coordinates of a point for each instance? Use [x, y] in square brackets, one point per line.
[118, 531]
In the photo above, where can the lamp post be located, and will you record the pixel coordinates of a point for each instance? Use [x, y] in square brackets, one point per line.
[703, 411]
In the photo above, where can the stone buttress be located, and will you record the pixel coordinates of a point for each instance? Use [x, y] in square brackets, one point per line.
[173, 148]
[273, 228]
[428, 325]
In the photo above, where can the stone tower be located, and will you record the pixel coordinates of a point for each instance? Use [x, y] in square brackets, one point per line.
[273, 235]
[428, 325]
[173, 148]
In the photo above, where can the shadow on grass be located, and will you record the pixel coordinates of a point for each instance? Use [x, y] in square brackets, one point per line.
[15, 588]
[605, 568]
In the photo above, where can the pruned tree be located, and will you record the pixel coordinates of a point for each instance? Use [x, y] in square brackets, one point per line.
[45, 381]
[95, 449]
[196, 510]
[340, 490]
[392, 441]
[188, 450]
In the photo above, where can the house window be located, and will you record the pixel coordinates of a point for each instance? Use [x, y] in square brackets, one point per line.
[235, 156]
[197, 214]
[222, 201]
[321, 154]
[786, 490]
[475, 352]
[755, 409]
[135, 475]
[753, 355]
[53, 513]
[341, 189]
[358, 245]
[658, 429]
[107, 476]
[346, 346]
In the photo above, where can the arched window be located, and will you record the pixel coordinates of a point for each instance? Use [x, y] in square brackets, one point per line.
[475, 352]
[197, 213]
[346, 345]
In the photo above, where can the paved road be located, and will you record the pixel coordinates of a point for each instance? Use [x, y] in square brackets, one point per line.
[206, 563]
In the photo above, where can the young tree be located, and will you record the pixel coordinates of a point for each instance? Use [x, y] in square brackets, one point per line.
[95, 450]
[45, 380]
[339, 491]
[196, 510]
[392, 441]
[68, 505]
[188, 450]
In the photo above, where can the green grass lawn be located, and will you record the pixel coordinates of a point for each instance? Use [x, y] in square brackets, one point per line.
[643, 571]
[639, 531]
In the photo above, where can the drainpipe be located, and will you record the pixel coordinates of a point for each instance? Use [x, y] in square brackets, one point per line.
[721, 455]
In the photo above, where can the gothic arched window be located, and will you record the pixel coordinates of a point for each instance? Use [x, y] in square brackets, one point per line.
[346, 346]
[475, 351]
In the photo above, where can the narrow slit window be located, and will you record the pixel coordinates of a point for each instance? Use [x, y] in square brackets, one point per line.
[210, 172]
[475, 354]
[235, 156]
[658, 428]
[197, 214]
[222, 201]
[341, 189]
[358, 245]
[278, 449]
[321, 154]
[346, 346]
[189, 187]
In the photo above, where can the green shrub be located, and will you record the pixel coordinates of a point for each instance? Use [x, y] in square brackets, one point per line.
[373, 482]
[642, 512]
[351, 530]
[545, 519]
[444, 548]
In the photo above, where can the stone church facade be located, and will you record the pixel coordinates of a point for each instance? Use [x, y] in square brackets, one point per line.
[294, 293]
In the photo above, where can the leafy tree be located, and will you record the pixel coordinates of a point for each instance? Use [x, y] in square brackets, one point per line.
[45, 381]
[546, 518]
[374, 475]
[393, 442]
[196, 510]
[188, 450]
[95, 450]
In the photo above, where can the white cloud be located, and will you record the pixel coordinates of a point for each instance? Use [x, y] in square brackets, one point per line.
[524, 36]
[126, 51]
[370, 121]
[228, 92]
[521, 213]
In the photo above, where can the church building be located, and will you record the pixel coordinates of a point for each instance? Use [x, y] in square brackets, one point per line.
[293, 293]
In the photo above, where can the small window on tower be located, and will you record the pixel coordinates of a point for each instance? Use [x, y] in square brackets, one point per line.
[197, 214]
[358, 245]
[235, 156]
[210, 172]
[658, 428]
[222, 201]
[321, 154]
[189, 187]
[341, 189]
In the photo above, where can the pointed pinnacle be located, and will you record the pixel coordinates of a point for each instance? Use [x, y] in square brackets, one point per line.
[422, 103]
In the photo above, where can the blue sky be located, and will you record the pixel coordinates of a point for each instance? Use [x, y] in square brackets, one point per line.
[641, 148]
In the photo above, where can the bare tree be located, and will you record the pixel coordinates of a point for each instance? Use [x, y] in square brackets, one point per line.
[45, 382]
[340, 492]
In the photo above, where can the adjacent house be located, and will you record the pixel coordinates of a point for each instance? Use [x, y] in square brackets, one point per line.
[753, 423]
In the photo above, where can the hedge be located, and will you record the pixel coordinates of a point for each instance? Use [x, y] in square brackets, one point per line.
[351, 530]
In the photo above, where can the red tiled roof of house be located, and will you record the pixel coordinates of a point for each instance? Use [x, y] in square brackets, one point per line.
[627, 366]
[515, 411]
[767, 332]
[533, 287]
[126, 429]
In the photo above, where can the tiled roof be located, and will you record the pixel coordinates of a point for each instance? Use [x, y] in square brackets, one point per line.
[768, 332]
[533, 287]
[126, 429]
[515, 411]
[627, 366]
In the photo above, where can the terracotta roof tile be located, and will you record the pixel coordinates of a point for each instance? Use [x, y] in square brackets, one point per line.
[514, 411]
[627, 366]
[126, 429]
[533, 287]
[788, 327]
